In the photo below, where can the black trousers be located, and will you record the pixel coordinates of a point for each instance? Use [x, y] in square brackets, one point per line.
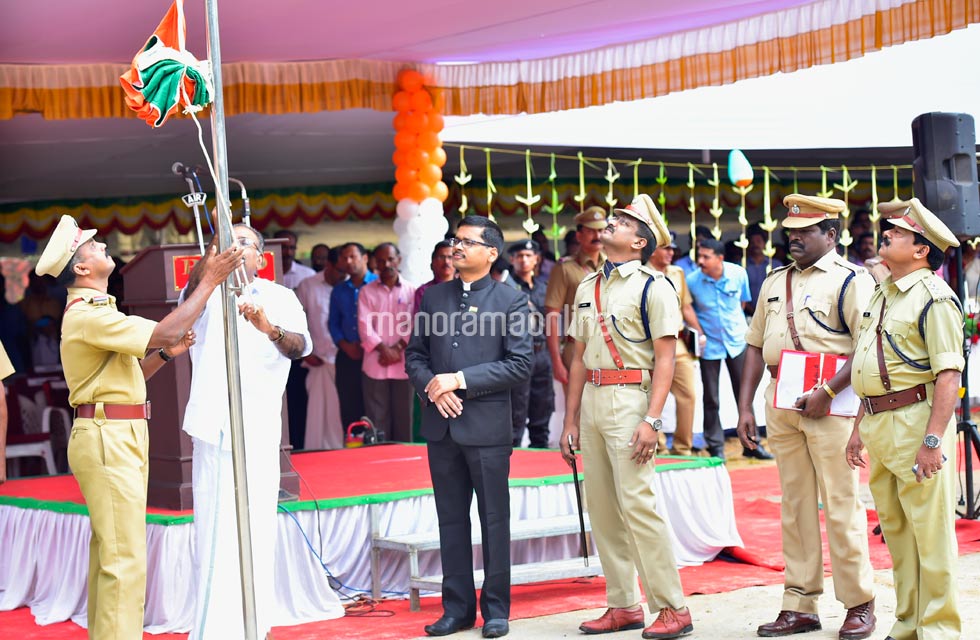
[457, 473]
[349, 389]
[533, 402]
[296, 402]
[714, 435]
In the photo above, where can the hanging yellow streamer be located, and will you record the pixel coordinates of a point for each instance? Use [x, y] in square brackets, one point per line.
[768, 224]
[611, 177]
[846, 186]
[462, 179]
[715, 210]
[530, 199]
[556, 205]
[491, 188]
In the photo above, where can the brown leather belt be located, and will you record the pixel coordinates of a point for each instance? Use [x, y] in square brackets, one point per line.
[569, 339]
[895, 400]
[603, 377]
[116, 411]
[773, 370]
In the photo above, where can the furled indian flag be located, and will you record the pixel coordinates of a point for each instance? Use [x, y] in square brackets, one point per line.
[164, 75]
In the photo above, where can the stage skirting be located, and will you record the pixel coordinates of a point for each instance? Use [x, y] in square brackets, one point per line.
[44, 531]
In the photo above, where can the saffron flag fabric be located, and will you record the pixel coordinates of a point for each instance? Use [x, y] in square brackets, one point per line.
[164, 76]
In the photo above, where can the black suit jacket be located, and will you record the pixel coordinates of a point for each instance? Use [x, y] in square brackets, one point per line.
[485, 334]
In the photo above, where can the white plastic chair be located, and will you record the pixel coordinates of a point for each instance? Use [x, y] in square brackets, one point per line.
[31, 444]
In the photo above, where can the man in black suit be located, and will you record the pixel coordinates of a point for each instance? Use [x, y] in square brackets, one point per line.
[470, 345]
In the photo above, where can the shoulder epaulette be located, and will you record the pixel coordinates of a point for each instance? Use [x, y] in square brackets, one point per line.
[589, 276]
[650, 271]
[940, 292]
[779, 269]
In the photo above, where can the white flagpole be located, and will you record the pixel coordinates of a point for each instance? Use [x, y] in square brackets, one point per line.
[225, 238]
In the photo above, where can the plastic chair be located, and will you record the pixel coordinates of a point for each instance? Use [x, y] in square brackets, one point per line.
[28, 429]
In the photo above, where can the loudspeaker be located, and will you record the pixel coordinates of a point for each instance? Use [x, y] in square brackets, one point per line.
[945, 169]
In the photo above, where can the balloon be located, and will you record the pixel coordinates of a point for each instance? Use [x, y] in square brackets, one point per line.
[436, 122]
[399, 121]
[406, 208]
[430, 174]
[417, 227]
[418, 191]
[406, 175]
[400, 226]
[428, 140]
[416, 121]
[410, 80]
[740, 171]
[402, 157]
[430, 207]
[417, 158]
[421, 100]
[402, 101]
[440, 226]
[406, 140]
[440, 192]
[400, 192]
[438, 157]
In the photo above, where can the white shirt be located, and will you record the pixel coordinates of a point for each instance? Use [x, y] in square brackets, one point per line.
[296, 274]
[314, 295]
[263, 368]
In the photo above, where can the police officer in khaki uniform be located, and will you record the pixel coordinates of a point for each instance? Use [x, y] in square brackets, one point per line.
[907, 370]
[107, 356]
[6, 370]
[683, 385]
[812, 305]
[562, 284]
[625, 329]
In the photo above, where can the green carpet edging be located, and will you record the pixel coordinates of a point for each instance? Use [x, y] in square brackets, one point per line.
[336, 503]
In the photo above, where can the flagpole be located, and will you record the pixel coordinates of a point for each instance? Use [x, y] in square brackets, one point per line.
[225, 238]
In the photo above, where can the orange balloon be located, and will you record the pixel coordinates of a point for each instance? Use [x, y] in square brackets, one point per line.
[440, 191]
[402, 157]
[399, 121]
[430, 174]
[428, 140]
[402, 101]
[436, 122]
[416, 121]
[438, 157]
[418, 158]
[400, 191]
[406, 175]
[421, 100]
[419, 191]
[406, 140]
[410, 80]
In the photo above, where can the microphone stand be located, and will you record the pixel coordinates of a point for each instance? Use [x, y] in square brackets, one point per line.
[966, 426]
[246, 209]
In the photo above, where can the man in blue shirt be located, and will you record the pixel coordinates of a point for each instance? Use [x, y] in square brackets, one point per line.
[684, 262]
[342, 323]
[757, 264]
[720, 291]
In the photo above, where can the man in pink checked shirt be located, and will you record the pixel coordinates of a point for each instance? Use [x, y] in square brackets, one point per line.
[384, 322]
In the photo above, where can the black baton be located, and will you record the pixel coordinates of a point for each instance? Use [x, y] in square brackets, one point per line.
[578, 501]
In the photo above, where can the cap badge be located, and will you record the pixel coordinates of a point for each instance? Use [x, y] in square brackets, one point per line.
[795, 209]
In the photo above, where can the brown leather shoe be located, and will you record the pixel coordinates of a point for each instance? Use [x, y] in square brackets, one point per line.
[614, 620]
[671, 623]
[788, 623]
[859, 623]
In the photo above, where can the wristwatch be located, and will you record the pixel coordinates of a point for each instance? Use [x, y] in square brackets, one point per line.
[656, 423]
[932, 441]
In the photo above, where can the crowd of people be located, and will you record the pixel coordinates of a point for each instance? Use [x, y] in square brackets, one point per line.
[477, 351]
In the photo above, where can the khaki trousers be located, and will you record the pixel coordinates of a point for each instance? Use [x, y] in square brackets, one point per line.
[683, 389]
[813, 469]
[109, 460]
[917, 520]
[630, 535]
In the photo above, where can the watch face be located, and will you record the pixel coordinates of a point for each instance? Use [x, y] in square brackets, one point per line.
[932, 441]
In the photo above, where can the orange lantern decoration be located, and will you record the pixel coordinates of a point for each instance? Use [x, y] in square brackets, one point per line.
[419, 156]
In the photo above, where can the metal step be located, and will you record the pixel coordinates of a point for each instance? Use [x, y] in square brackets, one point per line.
[519, 530]
[524, 573]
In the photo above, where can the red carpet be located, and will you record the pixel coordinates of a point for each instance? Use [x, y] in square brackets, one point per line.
[404, 469]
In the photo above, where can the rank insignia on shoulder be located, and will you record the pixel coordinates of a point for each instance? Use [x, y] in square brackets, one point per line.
[100, 301]
[773, 299]
[584, 305]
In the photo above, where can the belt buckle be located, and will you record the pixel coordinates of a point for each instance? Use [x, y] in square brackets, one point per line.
[868, 409]
[596, 377]
[148, 410]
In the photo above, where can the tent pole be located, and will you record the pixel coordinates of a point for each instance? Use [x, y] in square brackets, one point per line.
[226, 237]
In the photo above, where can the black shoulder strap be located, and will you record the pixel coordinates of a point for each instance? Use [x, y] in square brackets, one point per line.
[644, 316]
[840, 301]
[925, 310]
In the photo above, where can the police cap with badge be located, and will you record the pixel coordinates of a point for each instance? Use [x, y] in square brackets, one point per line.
[592, 218]
[64, 242]
[804, 211]
[913, 216]
[643, 210]
[524, 245]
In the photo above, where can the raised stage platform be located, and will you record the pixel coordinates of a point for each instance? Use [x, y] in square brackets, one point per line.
[44, 531]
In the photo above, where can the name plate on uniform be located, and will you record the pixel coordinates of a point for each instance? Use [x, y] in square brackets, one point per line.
[183, 265]
[801, 372]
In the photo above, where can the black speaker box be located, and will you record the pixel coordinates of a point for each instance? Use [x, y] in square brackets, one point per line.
[945, 169]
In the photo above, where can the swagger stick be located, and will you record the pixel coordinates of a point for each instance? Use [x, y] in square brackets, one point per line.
[578, 501]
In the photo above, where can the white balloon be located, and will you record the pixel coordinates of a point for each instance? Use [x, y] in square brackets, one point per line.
[439, 228]
[400, 226]
[430, 207]
[406, 208]
[418, 227]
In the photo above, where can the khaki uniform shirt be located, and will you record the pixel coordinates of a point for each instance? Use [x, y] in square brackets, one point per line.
[938, 347]
[678, 278]
[620, 296]
[6, 368]
[817, 308]
[563, 282]
[101, 348]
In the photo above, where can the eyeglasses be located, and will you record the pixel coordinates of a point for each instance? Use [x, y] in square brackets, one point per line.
[467, 243]
[245, 242]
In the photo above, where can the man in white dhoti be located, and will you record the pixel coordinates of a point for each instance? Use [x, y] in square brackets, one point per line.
[272, 331]
[324, 429]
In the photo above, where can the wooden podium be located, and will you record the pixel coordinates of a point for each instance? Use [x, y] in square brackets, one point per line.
[153, 280]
